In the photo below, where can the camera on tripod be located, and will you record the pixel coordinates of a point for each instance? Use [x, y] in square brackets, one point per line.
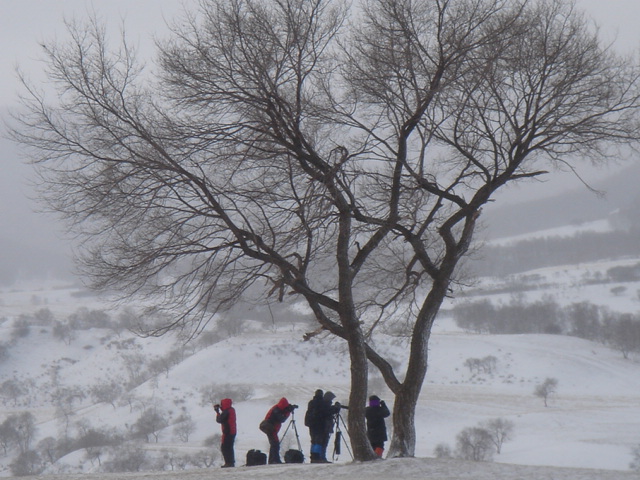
[341, 407]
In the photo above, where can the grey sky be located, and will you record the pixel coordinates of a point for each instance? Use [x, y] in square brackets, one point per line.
[26, 23]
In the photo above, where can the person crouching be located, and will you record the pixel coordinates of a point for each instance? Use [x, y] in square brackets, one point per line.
[271, 424]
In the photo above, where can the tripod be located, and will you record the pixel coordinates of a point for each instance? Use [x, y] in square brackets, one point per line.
[336, 444]
[292, 422]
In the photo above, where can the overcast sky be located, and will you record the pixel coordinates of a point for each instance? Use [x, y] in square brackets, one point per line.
[26, 23]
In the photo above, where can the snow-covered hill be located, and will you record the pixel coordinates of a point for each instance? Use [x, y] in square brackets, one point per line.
[591, 423]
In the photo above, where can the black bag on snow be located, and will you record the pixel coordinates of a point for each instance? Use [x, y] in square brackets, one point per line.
[256, 457]
[293, 456]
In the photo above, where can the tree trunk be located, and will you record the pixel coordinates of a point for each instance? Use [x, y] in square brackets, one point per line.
[403, 441]
[362, 450]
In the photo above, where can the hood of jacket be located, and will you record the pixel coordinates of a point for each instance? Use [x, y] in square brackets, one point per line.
[226, 403]
[283, 403]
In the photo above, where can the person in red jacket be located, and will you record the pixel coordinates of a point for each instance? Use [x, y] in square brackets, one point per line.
[271, 426]
[226, 417]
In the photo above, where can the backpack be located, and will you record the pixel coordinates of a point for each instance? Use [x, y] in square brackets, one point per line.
[309, 417]
[267, 427]
[293, 456]
[256, 457]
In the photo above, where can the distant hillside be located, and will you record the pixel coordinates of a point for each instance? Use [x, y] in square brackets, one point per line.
[570, 208]
[572, 228]
[84, 379]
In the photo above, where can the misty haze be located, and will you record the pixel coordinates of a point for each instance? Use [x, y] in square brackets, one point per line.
[275, 198]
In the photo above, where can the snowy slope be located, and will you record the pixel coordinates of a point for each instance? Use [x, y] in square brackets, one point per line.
[591, 423]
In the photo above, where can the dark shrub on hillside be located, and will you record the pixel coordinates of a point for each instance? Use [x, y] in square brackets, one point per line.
[543, 316]
[28, 463]
[624, 273]
[585, 320]
[620, 331]
[552, 251]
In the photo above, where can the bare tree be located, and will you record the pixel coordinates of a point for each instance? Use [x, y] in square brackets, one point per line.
[280, 151]
[128, 457]
[13, 390]
[546, 388]
[8, 435]
[107, 392]
[184, 427]
[150, 423]
[500, 430]
[623, 332]
[19, 429]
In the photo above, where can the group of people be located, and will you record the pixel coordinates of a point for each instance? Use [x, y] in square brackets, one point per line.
[320, 418]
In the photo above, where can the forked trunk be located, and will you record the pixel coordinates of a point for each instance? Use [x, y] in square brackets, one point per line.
[362, 450]
[403, 441]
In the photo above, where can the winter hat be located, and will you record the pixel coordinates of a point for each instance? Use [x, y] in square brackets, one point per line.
[374, 401]
[329, 396]
[319, 393]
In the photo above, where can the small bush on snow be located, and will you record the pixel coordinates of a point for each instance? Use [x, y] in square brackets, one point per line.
[635, 463]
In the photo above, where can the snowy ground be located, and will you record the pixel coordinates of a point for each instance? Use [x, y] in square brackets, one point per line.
[415, 468]
[587, 431]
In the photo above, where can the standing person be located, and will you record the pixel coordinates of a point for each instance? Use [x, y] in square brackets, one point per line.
[226, 417]
[326, 419]
[375, 414]
[314, 420]
[271, 426]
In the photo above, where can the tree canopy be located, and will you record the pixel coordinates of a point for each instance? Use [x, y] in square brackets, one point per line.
[311, 150]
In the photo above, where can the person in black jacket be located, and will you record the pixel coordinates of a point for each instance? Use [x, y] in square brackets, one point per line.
[313, 420]
[375, 414]
[326, 420]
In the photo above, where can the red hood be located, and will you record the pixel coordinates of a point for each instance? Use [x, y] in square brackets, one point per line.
[226, 403]
[283, 403]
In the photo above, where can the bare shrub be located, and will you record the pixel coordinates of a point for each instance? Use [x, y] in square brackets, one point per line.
[213, 393]
[500, 430]
[474, 444]
[486, 365]
[28, 463]
[442, 450]
[129, 457]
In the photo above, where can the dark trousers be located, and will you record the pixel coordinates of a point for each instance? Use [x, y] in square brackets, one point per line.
[319, 443]
[227, 449]
[274, 448]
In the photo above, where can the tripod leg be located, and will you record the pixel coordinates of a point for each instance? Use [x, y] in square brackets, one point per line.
[295, 430]
[346, 443]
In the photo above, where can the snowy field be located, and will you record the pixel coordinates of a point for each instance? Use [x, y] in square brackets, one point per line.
[587, 431]
[414, 468]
